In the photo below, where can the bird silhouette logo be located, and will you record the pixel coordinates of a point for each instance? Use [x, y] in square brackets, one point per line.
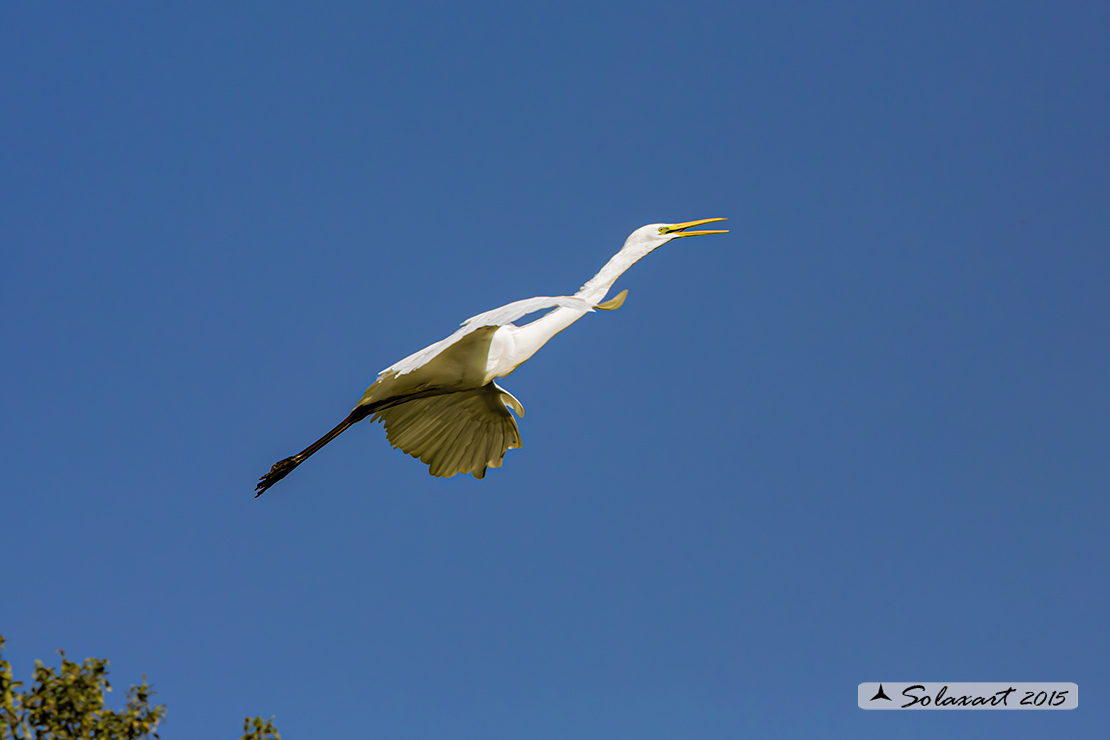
[881, 695]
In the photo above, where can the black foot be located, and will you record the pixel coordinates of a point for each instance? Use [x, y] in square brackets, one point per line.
[281, 469]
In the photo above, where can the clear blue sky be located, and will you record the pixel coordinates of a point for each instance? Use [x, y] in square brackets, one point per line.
[865, 436]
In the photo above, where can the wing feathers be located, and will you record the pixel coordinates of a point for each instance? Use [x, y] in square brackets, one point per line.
[463, 432]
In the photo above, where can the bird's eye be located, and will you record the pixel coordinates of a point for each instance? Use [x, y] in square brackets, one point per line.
[662, 229]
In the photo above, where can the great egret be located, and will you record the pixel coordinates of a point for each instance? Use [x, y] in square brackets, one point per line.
[442, 405]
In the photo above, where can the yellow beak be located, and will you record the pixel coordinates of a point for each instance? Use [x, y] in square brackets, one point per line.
[680, 229]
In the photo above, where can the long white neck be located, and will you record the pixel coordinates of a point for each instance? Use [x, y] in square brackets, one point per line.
[598, 286]
[513, 345]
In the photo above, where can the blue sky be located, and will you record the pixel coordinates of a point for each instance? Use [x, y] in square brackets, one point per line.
[862, 437]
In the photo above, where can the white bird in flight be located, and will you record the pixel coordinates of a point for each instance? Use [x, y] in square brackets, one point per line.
[442, 404]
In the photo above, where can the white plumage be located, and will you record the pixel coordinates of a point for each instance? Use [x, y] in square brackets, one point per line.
[506, 314]
[441, 404]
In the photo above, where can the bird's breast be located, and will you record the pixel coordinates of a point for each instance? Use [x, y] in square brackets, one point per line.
[499, 359]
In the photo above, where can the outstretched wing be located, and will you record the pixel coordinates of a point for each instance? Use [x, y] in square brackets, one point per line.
[519, 309]
[497, 317]
[463, 432]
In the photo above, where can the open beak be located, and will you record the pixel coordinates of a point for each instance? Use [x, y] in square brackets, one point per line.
[680, 229]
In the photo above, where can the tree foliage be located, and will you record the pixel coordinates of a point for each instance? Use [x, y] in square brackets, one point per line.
[69, 703]
[256, 729]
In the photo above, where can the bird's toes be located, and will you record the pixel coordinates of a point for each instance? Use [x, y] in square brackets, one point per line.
[279, 470]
